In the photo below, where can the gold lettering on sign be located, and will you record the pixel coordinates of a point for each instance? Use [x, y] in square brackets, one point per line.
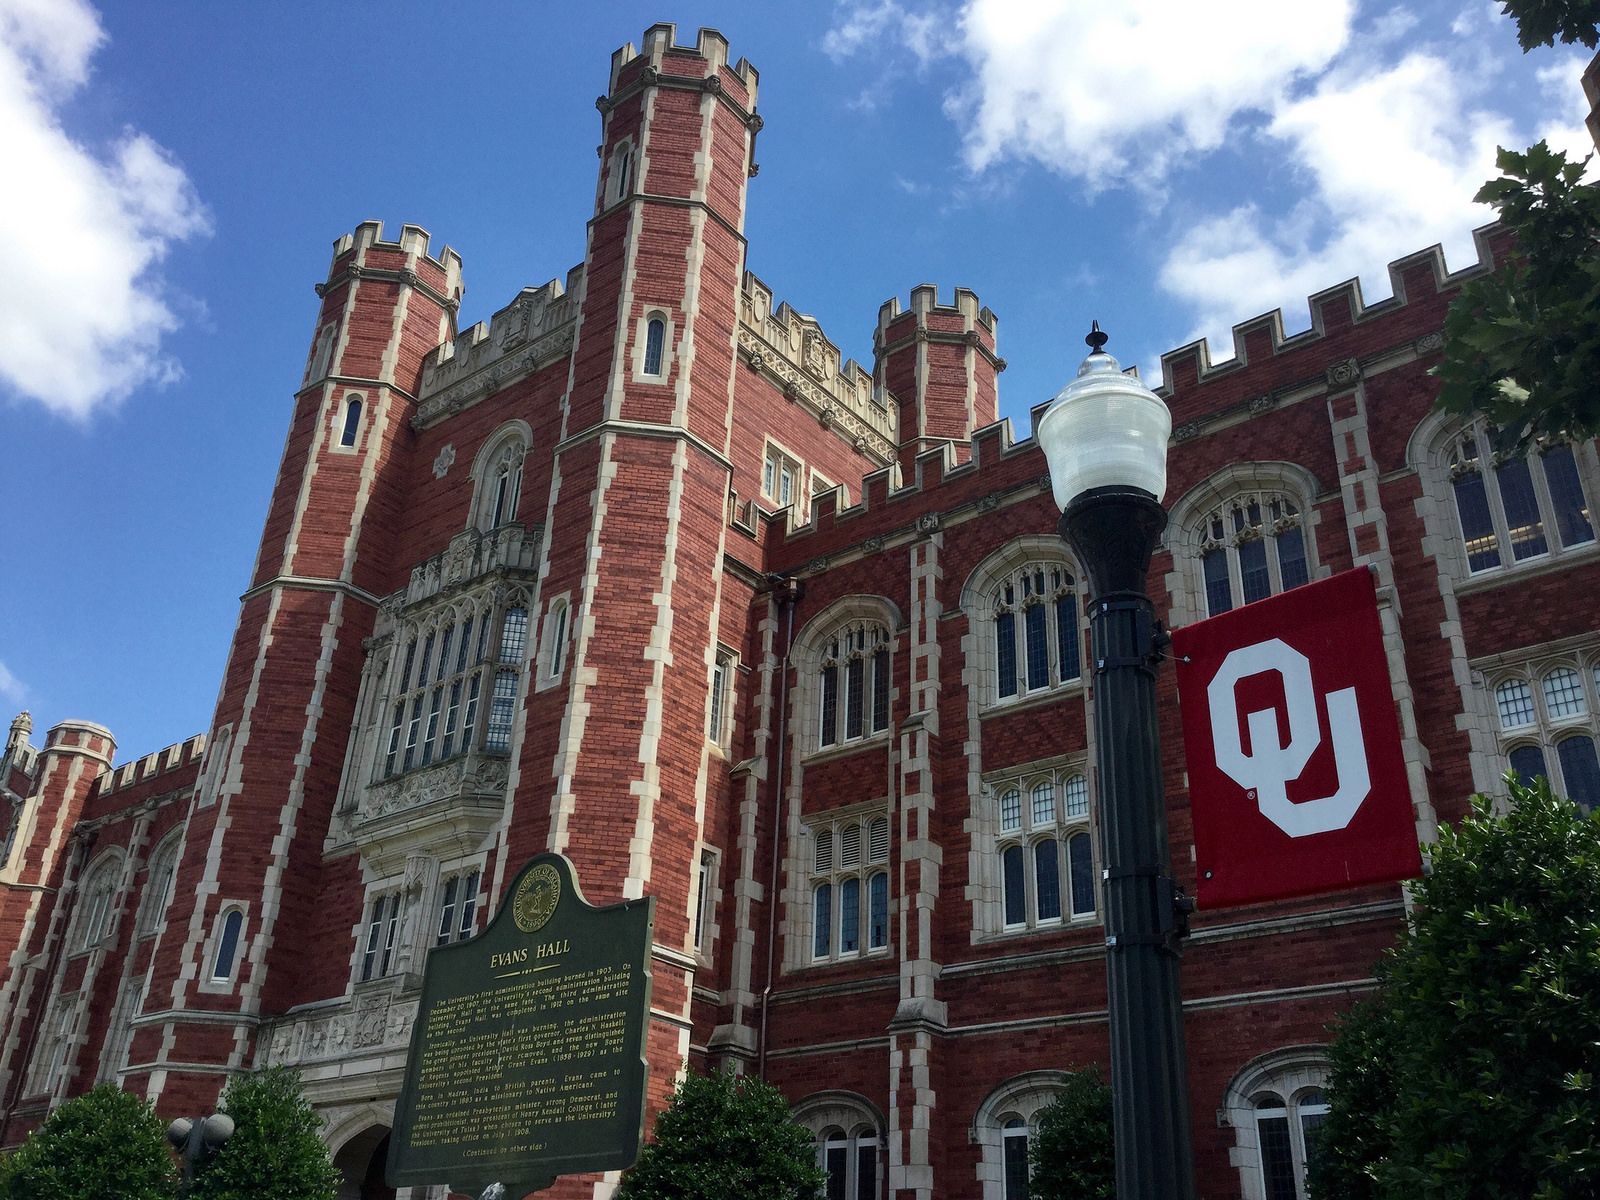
[501, 1068]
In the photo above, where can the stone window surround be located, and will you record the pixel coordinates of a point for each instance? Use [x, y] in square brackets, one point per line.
[1428, 453]
[340, 414]
[1022, 1097]
[775, 452]
[152, 916]
[721, 697]
[106, 868]
[986, 888]
[977, 603]
[805, 700]
[485, 475]
[60, 1031]
[209, 982]
[1185, 537]
[837, 1111]
[1544, 731]
[622, 171]
[866, 867]
[555, 641]
[1284, 1072]
[641, 338]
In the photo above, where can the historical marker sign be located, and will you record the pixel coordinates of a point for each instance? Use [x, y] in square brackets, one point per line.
[1297, 781]
[527, 1056]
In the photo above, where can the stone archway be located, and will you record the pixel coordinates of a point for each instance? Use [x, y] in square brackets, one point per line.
[360, 1162]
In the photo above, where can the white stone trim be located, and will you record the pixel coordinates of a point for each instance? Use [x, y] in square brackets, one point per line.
[1285, 1072]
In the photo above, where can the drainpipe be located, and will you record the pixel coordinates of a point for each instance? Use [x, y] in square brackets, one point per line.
[788, 591]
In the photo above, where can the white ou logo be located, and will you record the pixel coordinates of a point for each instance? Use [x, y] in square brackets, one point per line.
[1265, 772]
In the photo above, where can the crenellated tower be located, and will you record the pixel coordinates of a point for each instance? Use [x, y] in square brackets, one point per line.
[249, 875]
[938, 362]
[636, 522]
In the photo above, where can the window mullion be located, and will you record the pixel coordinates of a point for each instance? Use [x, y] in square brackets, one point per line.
[1488, 471]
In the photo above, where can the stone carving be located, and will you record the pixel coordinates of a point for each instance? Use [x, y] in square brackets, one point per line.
[469, 775]
[872, 545]
[820, 391]
[816, 353]
[445, 460]
[1429, 342]
[377, 1020]
[756, 360]
[1260, 404]
[371, 1017]
[486, 379]
[1187, 431]
[817, 565]
[989, 503]
[1344, 373]
[928, 523]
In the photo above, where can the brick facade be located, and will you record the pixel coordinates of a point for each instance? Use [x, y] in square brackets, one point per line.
[582, 478]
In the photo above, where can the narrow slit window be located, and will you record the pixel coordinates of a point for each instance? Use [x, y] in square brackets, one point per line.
[655, 342]
[227, 946]
[352, 422]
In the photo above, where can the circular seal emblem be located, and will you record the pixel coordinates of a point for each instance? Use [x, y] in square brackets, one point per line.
[536, 898]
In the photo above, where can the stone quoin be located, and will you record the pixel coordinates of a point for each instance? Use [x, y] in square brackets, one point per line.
[642, 571]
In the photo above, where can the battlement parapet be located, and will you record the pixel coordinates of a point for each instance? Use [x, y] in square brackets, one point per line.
[790, 349]
[1334, 311]
[364, 252]
[924, 304]
[190, 750]
[532, 331]
[663, 61]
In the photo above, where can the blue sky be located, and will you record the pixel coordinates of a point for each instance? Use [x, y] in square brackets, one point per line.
[1171, 168]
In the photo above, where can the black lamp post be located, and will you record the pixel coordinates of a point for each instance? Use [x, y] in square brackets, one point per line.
[196, 1140]
[1105, 437]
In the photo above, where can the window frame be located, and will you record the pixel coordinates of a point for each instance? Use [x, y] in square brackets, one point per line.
[1455, 466]
[455, 911]
[152, 915]
[864, 640]
[1038, 584]
[825, 865]
[1228, 527]
[499, 472]
[1526, 686]
[851, 1142]
[95, 913]
[783, 476]
[1288, 1075]
[721, 698]
[212, 982]
[621, 172]
[349, 424]
[1031, 832]
[555, 635]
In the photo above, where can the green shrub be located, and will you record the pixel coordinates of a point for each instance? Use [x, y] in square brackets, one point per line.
[102, 1144]
[1071, 1153]
[276, 1149]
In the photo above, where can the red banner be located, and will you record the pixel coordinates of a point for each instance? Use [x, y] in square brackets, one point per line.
[1297, 783]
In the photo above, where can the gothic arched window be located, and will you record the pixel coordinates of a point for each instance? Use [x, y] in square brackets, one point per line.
[1512, 507]
[1251, 546]
[1035, 622]
[352, 421]
[853, 683]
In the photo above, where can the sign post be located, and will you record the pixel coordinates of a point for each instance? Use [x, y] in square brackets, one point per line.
[527, 1057]
[1297, 781]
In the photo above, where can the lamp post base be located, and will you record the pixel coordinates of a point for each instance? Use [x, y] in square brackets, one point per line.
[1114, 533]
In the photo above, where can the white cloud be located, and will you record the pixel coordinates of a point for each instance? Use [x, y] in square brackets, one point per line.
[1113, 94]
[82, 306]
[11, 689]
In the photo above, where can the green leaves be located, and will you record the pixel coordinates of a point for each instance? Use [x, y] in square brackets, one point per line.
[104, 1143]
[276, 1149]
[1522, 343]
[1471, 1073]
[725, 1137]
[1544, 22]
[1072, 1152]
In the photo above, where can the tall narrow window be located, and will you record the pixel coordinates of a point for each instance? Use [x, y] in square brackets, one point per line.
[502, 707]
[352, 421]
[1513, 507]
[1250, 547]
[718, 721]
[1044, 865]
[498, 475]
[1014, 1145]
[850, 889]
[458, 908]
[1035, 614]
[383, 927]
[702, 894]
[555, 640]
[227, 946]
[779, 473]
[655, 341]
[854, 661]
[95, 912]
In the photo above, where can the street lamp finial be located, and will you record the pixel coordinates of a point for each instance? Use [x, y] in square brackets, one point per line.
[1096, 340]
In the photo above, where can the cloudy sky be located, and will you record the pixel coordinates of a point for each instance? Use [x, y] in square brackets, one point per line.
[1169, 167]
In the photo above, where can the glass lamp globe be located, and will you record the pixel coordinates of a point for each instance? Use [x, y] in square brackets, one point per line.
[1105, 429]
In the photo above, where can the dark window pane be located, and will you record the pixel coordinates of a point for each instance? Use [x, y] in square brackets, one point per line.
[1080, 865]
[1580, 771]
[655, 339]
[867, 1172]
[1067, 635]
[1016, 894]
[1566, 495]
[850, 916]
[352, 422]
[880, 691]
[830, 704]
[1253, 570]
[1016, 1156]
[838, 1166]
[502, 706]
[1047, 879]
[878, 913]
[228, 945]
[1005, 649]
[1292, 557]
[1477, 528]
[1310, 1123]
[1038, 651]
[854, 683]
[1521, 507]
[1219, 593]
[822, 921]
[1277, 1159]
[1527, 763]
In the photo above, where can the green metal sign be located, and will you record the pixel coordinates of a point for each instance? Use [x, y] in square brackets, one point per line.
[527, 1056]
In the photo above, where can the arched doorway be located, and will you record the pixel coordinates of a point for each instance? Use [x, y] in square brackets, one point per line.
[361, 1161]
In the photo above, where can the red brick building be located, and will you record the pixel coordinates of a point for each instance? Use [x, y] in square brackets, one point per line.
[642, 572]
